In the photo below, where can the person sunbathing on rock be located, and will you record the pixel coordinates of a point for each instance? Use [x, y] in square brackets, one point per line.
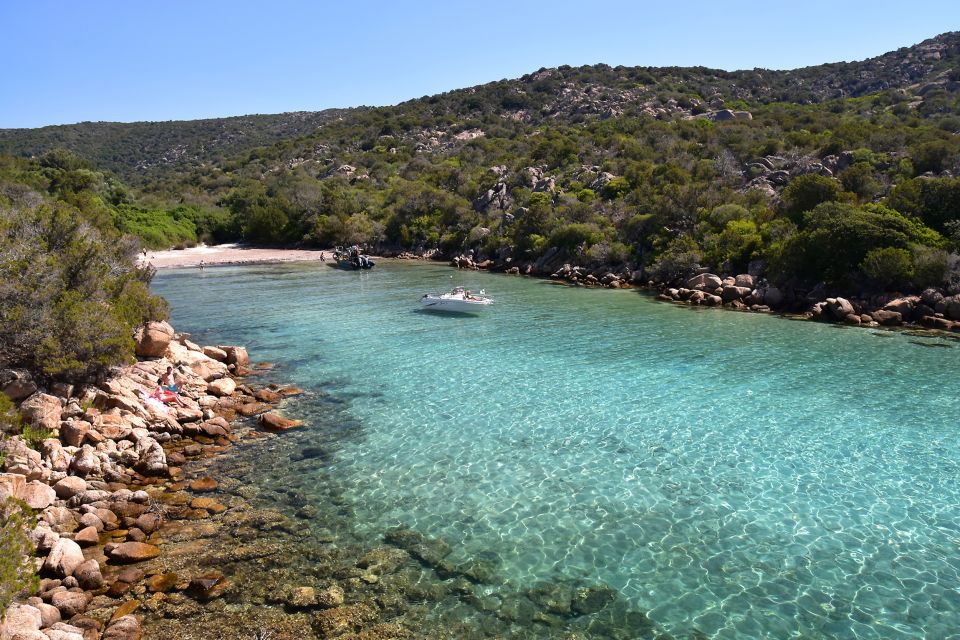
[169, 381]
[166, 396]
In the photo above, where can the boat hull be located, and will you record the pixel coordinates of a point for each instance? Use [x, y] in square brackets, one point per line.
[435, 303]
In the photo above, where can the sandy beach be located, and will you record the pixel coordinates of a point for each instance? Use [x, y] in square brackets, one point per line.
[229, 254]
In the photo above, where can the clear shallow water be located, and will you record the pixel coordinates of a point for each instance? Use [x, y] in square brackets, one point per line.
[736, 474]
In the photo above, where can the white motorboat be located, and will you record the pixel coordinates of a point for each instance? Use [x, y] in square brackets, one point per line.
[456, 300]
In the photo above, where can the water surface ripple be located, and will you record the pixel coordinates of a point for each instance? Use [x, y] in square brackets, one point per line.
[737, 475]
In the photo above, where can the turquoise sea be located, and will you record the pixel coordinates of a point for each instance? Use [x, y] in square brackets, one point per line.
[732, 475]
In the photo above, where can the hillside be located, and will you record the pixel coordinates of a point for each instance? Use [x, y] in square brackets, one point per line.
[131, 150]
[841, 175]
[922, 72]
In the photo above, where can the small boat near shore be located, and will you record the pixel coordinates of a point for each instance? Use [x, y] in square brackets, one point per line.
[458, 299]
[351, 258]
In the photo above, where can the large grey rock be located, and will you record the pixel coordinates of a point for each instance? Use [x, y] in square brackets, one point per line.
[953, 308]
[69, 486]
[90, 519]
[904, 306]
[731, 293]
[64, 632]
[86, 462]
[152, 458]
[209, 369]
[52, 451]
[88, 575]
[887, 318]
[70, 603]
[64, 558]
[21, 621]
[236, 355]
[931, 297]
[216, 353]
[839, 308]
[153, 339]
[12, 485]
[60, 518]
[17, 384]
[704, 282]
[222, 387]
[744, 280]
[19, 458]
[38, 495]
[49, 614]
[43, 537]
[42, 410]
[86, 537]
[772, 297]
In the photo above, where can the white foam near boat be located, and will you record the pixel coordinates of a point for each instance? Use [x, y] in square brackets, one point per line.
[456, 300]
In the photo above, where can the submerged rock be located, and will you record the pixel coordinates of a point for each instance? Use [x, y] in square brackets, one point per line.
[207, 586]
[587, 600]
[336, 622]
[128, 552]
[123, 628]
[430, 551]
[205, 483]
[330, 597]
[275, 422]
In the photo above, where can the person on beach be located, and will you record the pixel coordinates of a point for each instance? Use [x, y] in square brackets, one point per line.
[201, 265]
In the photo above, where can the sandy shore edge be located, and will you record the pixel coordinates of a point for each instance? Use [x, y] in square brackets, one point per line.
[229, 254]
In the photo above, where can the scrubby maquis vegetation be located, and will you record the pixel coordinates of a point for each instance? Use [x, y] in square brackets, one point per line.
[635, 169]
[70, 290]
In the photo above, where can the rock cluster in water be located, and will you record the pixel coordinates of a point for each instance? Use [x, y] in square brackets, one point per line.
[96, 481]
[931, 309]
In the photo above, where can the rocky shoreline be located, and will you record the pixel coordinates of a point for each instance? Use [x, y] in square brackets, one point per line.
[106, 484]
[933, 309]
[208, 521]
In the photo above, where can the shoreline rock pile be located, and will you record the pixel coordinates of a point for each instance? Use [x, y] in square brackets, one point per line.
[932, 309]
[90, 480]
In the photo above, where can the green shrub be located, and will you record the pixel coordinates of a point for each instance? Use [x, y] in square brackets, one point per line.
[569, 237]
[17, 570]
[806, 192]
[70, 296]
[34, 436]
[738, 243]
[835, 238]
[888, 266]
[678, 261]
[931, 267]
[10, 419]
[859, 179]
[156, 229]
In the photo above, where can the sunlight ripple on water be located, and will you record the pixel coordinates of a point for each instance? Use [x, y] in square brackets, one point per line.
[736, 474]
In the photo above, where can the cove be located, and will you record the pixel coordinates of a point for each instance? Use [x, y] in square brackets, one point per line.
[736, 475]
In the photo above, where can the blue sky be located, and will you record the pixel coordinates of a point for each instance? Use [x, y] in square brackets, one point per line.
[71, 60]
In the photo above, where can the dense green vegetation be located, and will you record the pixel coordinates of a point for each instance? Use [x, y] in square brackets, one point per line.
[70, 291]
[841, 174]
[17, 571]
